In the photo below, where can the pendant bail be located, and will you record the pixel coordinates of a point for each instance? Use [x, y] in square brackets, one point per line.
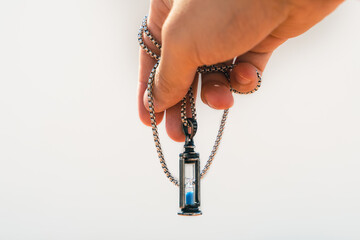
[190, 129]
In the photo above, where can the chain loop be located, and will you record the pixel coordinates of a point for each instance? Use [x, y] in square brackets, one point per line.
[190, 128]
[187, 122]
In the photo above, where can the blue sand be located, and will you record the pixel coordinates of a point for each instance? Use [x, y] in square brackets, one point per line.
[189, 198]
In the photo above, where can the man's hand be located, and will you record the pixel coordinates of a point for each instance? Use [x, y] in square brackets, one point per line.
[198, 32]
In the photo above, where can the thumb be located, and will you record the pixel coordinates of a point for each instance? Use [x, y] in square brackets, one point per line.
[176, 70]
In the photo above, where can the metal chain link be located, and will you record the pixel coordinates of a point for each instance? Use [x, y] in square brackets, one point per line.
[225, 69]
[189, 95]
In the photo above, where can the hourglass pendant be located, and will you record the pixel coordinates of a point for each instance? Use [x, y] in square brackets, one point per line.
[189, 181]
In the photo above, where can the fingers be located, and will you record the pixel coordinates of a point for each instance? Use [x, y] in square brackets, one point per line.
[177, 67]
[243, 77]
[189, 42]
[158, 13]
[180, 58]
[215, 91]
[173, 117]
[146, 64]
[172, 80]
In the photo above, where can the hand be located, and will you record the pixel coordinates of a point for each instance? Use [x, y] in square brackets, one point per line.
[198, 32]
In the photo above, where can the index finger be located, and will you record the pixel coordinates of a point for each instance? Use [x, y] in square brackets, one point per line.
[158, 13]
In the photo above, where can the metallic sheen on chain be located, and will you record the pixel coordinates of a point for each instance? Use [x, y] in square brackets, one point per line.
[225, 69]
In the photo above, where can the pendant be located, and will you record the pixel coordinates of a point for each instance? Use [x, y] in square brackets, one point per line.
[189, 181]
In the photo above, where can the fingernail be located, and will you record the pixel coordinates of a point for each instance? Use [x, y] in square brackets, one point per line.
[218, 96]
[242, 79]
[244, 74]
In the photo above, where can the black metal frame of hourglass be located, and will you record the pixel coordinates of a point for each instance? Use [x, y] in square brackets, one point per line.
[189, 156]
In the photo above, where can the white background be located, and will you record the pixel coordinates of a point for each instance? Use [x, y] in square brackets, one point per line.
[76, 163]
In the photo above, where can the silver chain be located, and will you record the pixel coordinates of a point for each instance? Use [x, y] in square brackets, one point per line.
[225, 69]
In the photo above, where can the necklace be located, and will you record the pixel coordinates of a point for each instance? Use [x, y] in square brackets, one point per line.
[189, 168]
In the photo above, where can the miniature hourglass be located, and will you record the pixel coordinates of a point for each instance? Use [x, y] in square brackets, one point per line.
[189, 183]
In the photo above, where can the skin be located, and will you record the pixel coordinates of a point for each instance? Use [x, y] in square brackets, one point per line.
[198, 32]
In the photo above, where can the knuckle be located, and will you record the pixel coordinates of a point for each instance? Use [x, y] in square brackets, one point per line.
[162, 84]
[162, 91]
